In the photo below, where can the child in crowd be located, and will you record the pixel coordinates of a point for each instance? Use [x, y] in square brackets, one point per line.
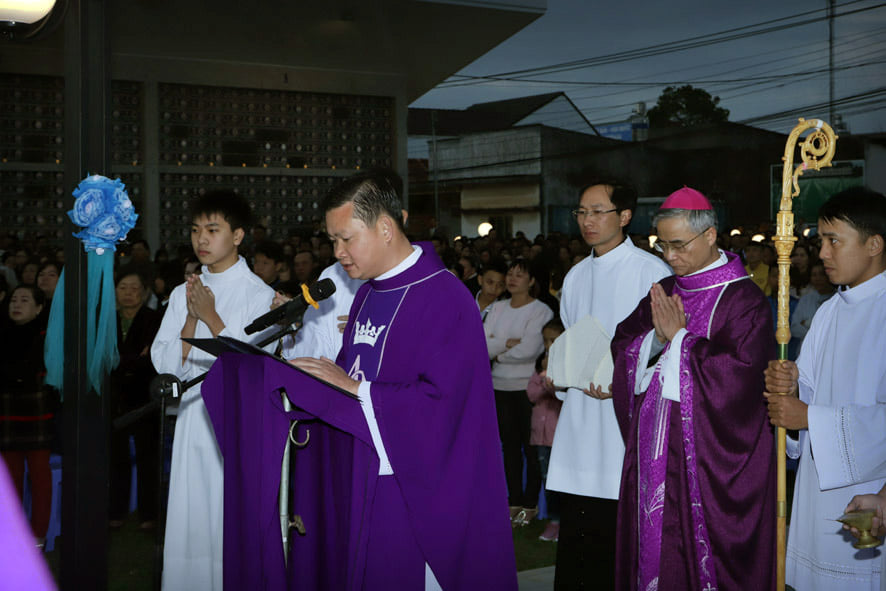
[492, 285]
[545, 412]
[224, 298]
[756, 268]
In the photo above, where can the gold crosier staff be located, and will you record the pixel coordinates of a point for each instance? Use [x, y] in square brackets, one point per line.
[816, 151]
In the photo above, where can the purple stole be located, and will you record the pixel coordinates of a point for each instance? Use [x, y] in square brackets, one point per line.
[371, 328]
[700, 294]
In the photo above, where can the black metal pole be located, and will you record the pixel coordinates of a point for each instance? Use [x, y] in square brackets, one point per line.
[159, 504]
[84, 562]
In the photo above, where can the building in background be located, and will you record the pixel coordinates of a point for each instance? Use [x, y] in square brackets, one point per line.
[512, 163]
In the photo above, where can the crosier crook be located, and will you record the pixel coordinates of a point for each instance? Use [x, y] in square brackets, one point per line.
[816, 151]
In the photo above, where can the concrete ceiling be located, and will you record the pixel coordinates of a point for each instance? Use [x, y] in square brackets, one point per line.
[420, 42]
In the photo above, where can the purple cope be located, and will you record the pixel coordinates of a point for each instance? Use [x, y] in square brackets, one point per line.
[702, 515]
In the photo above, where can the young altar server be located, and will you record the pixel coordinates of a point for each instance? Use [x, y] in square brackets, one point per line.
[837, 398]
[697, 504]
[415, 353]
[223, 299]
[587, 452]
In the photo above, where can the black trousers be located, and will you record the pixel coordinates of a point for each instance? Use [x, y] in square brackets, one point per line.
[514, 421]
[145, 432]
[586, 549]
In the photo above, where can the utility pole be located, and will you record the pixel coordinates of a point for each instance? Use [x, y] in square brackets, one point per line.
[831, 112]
[434, 151]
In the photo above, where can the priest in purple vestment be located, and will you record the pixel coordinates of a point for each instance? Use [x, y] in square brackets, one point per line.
[414, 352]
[697, 502]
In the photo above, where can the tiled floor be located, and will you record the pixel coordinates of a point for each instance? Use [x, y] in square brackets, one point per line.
[540, 579]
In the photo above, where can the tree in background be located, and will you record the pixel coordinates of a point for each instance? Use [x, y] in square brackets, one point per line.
[686, 107]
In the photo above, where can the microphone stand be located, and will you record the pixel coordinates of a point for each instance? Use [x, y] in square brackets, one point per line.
[165, 386]
[169, 386]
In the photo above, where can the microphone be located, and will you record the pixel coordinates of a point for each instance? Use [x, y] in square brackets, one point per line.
[291, 309]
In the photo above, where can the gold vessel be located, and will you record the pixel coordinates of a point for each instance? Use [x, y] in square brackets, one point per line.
[861, 520]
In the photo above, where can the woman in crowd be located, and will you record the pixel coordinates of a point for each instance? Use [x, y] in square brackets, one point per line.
[801, 263]
[137, 326]
[47, 279]
[514, 341]
[822, 290]
[26, 406]
[28, 274]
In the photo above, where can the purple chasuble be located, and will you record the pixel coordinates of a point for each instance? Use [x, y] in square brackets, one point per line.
[697, 498]
[417, 337]
[425, 356]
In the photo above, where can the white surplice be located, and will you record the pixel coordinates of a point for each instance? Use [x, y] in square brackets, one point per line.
[192, 555]
[319, 335]
[588, 450]
[843, 453]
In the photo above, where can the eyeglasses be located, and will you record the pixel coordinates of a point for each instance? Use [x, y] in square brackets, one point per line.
[581, 214]
[678, 246]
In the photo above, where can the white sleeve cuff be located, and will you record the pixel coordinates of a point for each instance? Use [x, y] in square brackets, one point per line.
[643, 375]
[794, 446]
[830, 446]
[670, 368]
[384, 464]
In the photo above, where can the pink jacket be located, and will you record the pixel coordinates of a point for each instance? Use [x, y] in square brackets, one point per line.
[545, 412]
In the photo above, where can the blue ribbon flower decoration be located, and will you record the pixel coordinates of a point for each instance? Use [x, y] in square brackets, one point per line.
[103, 207]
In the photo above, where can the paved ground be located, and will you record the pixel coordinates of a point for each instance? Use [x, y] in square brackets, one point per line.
[540, 579]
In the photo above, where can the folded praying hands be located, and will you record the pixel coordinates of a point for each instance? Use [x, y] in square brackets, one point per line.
[667, 313]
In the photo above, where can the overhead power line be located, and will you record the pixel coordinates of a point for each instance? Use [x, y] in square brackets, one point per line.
[659, 49]
[847, 101]
[712, 81]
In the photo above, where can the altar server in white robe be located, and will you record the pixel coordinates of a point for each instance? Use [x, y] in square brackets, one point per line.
[321, 331]
[587, 453]
[222, 300]
[837, 399]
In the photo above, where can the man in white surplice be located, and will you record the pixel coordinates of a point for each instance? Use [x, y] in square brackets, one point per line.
[840, 413]
[587, 454]
[320, 335]
[222, 300]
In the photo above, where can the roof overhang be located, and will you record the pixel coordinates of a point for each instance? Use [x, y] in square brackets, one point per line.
[418, 42]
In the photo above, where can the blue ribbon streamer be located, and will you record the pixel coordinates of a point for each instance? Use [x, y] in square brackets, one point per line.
[101, 325]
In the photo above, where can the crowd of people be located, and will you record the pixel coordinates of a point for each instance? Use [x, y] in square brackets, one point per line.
[633, 498]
